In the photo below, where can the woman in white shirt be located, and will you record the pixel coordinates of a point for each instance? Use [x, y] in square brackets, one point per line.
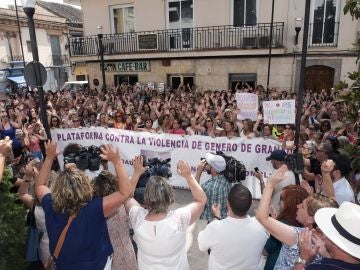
[160, 233]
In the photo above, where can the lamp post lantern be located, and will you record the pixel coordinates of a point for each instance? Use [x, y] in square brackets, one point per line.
[101, 52]
[298, 24]
[29, 9]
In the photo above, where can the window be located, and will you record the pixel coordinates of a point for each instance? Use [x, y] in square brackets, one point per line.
[180, 18]
[324, 21]
[28, 46]
[122, 19]
[244, 12]
[180, 14]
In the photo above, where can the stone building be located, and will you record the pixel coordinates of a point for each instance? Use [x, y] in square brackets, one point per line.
[215, 44]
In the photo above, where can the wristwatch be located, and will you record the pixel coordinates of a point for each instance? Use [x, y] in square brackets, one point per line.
[301, 260]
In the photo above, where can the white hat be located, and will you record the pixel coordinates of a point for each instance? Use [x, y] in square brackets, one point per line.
[216, 161]
[341, 226]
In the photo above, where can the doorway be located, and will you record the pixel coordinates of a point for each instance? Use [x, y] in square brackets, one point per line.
[129, 79]
[319, 77]
[175, 80]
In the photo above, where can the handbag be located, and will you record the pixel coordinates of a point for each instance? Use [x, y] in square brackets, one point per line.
[51, 263]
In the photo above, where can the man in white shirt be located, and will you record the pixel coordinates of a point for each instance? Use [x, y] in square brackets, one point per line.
[277, 158]
[342, 189]
[237, 241]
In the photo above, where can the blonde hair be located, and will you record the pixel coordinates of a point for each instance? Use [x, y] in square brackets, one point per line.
[71, 190]
[158, 195]
[317, 201]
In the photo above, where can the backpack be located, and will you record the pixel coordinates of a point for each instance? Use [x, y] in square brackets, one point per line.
[235, 170]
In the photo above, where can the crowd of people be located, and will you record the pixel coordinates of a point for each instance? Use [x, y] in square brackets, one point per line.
[309, 224]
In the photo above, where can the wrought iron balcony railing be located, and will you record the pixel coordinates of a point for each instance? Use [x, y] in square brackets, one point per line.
[324, 34]
[185, 39]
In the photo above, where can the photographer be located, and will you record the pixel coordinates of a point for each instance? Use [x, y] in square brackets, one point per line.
[217, 188]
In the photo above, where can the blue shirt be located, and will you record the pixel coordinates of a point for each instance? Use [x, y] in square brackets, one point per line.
[87, 244]
[217, 190]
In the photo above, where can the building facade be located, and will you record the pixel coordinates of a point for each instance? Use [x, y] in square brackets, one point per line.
[215, 44]
[54, 24]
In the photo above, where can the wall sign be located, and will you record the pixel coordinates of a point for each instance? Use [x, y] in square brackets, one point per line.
[126, 66]
[148, 42]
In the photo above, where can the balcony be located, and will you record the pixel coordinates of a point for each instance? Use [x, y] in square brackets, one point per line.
[323, 34]
[182, 40]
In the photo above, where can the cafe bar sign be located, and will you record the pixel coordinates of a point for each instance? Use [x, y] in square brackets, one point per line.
[128, 66]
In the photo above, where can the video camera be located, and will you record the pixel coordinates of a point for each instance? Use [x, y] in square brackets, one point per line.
[85, 158]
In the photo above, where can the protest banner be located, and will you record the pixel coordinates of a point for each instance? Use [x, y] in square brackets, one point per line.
[279, 111]
[248, 104]
[252, 152]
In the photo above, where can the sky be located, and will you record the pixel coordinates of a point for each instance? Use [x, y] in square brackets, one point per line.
[5, 3]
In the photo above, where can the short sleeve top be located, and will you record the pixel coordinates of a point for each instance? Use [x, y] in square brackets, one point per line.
[87, 244]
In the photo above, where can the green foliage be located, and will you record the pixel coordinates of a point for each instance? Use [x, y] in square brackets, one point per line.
[341, 85]
[12, 228]
[353, 153]
[353, 7]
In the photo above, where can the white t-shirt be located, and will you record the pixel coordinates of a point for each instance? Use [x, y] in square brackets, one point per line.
[161, 244]
[289, 180]
[343, 191]
[235, 243]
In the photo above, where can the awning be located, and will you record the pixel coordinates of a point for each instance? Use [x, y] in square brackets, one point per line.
[17, 79]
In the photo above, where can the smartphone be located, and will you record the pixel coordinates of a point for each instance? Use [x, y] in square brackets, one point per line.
[256, 169]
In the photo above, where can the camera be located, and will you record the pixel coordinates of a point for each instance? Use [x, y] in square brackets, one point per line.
[85, 158]
[295, 162]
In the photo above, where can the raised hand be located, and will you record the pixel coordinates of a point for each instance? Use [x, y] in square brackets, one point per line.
[5, 146]
[305, 185]
[139, 168]
[183, 168]
[278, 176]
[308, 251]
[50, 150]
[109, 153]
[216, 209]
[327, 166]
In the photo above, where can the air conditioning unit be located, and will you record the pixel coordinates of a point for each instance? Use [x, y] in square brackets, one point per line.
[249, 42]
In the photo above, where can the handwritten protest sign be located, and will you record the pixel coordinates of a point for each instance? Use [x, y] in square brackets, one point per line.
[248, 105]
[279, 111]
[252, 152]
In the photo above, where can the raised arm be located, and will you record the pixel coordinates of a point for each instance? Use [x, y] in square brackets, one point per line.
[139, 169]
[41, 187]
[281, 231]
[199, 196]
[113, 201]
[5, 149]
[327, 185]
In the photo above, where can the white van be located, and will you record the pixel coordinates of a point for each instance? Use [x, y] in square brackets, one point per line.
[74, 85]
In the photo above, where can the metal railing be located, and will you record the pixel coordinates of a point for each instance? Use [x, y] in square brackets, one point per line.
[185, 39]
[324, 34]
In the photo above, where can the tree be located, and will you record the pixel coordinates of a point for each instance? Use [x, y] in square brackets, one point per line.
[12, 227]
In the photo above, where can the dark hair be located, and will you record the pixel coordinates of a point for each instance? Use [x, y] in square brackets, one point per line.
[71, 148]
[342, 163]
[239, 199]
[104, 184]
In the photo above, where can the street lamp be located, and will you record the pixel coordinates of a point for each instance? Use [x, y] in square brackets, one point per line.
[29, 9]
[298, 24]
[101, 52]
